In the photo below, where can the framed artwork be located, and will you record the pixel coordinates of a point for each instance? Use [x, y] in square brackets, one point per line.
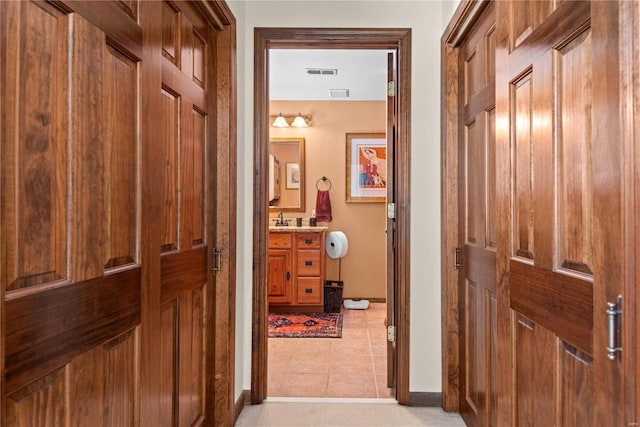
[366, 167]
[292, 171]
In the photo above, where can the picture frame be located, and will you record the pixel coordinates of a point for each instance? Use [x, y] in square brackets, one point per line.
[366, 167]
[292, 173]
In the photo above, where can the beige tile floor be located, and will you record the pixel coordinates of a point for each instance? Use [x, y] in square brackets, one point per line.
[354, 366]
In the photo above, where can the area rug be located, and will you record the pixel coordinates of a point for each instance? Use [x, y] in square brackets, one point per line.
[305, 325]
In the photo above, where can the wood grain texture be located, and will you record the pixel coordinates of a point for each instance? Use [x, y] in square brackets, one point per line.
[476, 206]
[576, 373]
[504, 348]
[93, 134]
[609, 261]
[42, 403]
[151, 397]
[629, 13]
[121, 159]
[365, 38]
[561, 303]
[41, 334]
[221, 62]
[34, 135]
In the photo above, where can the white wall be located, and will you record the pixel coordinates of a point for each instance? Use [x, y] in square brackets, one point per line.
[244, 233]
[425, 18]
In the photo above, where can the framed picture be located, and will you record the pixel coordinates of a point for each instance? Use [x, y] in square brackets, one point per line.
[366, 167]
[292, 171]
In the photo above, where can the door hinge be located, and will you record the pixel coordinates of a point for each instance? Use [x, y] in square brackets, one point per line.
[391, 210]
[457, 258]
[217, 260]
[391, 88]
[391, 333]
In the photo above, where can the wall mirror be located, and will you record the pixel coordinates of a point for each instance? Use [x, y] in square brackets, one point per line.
[286, 174]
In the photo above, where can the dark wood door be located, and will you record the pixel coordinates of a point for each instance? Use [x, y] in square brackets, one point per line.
[110, 159]
[71, 257]
[185, 247]
[477, 250]
[560, 211]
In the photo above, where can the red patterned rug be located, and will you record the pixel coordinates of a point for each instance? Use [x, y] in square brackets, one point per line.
[305, 325]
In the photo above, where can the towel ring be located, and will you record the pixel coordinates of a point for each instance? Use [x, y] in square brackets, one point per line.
[323, 179]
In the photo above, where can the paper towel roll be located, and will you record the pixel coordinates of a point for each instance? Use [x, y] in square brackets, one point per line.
[337, 244]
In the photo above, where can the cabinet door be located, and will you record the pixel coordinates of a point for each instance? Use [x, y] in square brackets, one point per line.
[279, 277]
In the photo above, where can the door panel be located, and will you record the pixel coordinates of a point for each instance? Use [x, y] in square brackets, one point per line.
[71, 279]
[547, 93]
[104, 221]
[184, 244]
[477, 223]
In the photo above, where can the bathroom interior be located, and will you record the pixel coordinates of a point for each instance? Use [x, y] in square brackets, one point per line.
[336, 92]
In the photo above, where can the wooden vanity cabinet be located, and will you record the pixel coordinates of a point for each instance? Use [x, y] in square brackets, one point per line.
[296, 271]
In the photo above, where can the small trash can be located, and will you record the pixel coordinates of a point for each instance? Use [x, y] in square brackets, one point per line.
[332, 296]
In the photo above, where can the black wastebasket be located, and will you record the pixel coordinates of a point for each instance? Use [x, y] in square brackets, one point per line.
[332, 296]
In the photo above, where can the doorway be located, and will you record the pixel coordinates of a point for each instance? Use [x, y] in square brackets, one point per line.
[398, 225]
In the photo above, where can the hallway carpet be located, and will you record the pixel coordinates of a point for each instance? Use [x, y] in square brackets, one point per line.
[321, 414]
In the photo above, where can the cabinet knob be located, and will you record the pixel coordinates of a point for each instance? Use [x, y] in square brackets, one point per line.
[308, 291]
[288, 276]
[308, 263]
[308, 241]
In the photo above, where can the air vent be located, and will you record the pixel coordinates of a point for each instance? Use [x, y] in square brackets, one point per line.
[339, 93]
[322, 71]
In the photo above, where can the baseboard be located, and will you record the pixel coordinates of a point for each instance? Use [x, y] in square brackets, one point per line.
[243, 399]
[426, 399]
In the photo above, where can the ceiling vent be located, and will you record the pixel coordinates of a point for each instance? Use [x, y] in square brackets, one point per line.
[339, 93]
[322, 71]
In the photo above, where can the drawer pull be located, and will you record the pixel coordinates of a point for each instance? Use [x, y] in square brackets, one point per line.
[308, 291]
[288, 276]
[308, 263]
[308, 241]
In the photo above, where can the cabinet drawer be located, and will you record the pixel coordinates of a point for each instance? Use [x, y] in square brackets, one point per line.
[308, 263]
[308, 240]
[309, 291]
[280, 240]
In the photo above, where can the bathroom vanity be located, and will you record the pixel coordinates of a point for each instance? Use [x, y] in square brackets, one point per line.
[296, 269]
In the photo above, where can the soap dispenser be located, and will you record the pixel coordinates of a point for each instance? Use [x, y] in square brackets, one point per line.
[312, 220]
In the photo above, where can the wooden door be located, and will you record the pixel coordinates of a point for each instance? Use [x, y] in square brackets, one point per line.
[392, 108]
[189, 163]
[561, 253]
[110, 158]
[71, 262]
[476, 206]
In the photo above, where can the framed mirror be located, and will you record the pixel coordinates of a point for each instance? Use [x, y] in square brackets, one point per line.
[286, 174]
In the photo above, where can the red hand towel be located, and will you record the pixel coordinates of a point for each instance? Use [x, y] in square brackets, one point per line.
[323, 206]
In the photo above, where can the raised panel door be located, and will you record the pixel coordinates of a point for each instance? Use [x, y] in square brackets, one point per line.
[477, 222]
[71, 269]
[563, 246]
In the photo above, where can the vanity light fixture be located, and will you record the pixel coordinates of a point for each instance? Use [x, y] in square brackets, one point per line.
[299, 122]
[284, 121]
[280, 122]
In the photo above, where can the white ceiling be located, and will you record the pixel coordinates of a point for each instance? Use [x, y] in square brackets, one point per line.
[362, 72]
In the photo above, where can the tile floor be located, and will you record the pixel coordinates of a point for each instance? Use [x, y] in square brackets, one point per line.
[354, 366]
